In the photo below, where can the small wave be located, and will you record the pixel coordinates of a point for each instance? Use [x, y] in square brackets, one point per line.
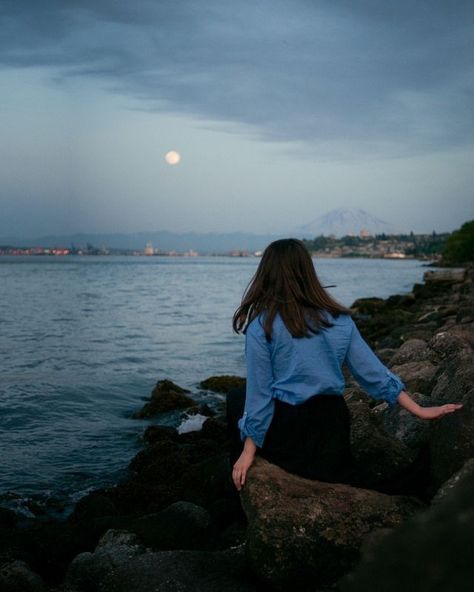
[192, 423]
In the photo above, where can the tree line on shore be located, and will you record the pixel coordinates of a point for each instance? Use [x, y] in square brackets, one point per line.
[450, 248]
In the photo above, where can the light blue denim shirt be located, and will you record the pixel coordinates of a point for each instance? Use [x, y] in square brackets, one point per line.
[294, 369]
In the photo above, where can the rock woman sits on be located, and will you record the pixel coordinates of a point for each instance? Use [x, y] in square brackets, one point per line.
[297, 338]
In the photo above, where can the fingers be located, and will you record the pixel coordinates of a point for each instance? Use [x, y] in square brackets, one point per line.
[238, 476]
[450, 407]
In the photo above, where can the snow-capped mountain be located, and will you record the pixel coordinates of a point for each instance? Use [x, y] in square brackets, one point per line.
[342, 222]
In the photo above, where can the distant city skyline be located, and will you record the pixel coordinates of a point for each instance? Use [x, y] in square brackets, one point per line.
[212, 117]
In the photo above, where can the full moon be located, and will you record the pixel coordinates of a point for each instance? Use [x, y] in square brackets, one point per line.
[172, 157]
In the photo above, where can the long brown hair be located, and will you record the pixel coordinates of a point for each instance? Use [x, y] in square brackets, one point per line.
[286, 283]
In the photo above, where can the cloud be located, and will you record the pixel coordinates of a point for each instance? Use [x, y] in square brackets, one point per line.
[342, 77]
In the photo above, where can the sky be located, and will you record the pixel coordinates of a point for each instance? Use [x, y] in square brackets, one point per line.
[281, 110]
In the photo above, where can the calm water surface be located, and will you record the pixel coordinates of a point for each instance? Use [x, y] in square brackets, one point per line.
[84, 340]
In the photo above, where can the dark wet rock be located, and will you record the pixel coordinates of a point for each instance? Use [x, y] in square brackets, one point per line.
[158, 433]
[92, 506]
[381, 462]
[452, 441]
[368, 306]
[182, 525]
[161, 462]
[166, 396]
[413, 350]
[401, 300]
[222, 384]
[8, 518]
[432, 291]
[88, 569]
[137, 496]
[406, 427]
[423, 331]
[215, 430]
[417, 376]
[206, 481]
[120, 564]
[202, 409]
[465, 314]
[303, 533]
[431, 551]
[16, 576]
[466, 471]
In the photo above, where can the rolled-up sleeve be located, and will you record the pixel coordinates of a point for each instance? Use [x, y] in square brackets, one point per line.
[373, 376]
[259, 402]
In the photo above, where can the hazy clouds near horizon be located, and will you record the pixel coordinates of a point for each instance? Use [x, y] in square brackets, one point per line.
[281, 110]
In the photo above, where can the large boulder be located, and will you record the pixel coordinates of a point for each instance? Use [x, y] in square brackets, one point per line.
[121, 564]
[413, 350]
[431, 552]
[381, 461]
[308, 533]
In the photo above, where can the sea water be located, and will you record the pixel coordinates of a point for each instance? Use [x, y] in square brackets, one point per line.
[83, 341]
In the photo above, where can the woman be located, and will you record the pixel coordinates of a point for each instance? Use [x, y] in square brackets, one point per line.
[297, 337]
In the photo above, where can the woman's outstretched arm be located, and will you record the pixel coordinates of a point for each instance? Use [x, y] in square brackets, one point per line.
[436, 412]
[380, 383]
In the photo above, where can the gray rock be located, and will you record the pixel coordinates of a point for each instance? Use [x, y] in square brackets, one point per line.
[381, 461]
[455, 378]
[448, 343]
[304, 533]
[413, 350]
[88, 570]
[452, 441]
[418, 376]
[406, 427]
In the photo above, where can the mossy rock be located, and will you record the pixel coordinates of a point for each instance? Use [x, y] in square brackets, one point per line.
[222, 384]
[166, 396]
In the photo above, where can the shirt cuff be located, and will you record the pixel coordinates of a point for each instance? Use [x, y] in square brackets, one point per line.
[393, 388]
[246, 430]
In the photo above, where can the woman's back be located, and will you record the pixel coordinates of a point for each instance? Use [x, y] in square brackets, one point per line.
[293, 369]
[301, 367]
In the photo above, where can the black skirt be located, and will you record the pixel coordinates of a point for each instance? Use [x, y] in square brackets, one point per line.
[311, 439]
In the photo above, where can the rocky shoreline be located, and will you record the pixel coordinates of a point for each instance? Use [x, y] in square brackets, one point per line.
[177, 523]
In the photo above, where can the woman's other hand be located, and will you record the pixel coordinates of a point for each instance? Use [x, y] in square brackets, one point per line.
[409, 404]
[243, 463]
[437, 412]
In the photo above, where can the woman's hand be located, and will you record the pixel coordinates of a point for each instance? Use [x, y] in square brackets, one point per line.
[409, 404]
[437, 412]
[243, 463]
